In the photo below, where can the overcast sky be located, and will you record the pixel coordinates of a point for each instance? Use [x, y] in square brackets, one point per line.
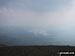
[36, 12]
[39, 13]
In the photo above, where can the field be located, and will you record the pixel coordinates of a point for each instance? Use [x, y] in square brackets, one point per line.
[34, 50]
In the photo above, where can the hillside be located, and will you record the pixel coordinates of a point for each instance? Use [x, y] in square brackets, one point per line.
[34, 50]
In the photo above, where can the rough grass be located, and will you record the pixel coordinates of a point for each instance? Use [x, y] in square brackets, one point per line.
[34, 50]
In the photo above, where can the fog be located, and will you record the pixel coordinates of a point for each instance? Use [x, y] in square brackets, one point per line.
[37, 22]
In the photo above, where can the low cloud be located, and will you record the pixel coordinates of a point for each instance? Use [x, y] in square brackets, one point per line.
[61, 18]
[41, 32]
[4, 11]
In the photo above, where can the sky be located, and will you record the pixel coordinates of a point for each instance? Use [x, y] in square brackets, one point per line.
[44, 17]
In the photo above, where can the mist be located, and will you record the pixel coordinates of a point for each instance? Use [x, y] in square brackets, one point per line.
[45, 22]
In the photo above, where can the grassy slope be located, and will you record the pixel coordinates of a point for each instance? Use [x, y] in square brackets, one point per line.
[33, 50]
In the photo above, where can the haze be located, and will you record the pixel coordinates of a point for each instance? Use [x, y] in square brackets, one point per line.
[37, 22]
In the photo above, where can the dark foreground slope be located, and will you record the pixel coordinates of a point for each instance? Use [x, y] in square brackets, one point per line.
[34, 50]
